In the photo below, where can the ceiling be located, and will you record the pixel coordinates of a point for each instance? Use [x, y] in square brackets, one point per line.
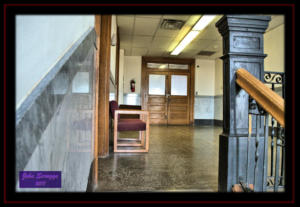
[141, 35]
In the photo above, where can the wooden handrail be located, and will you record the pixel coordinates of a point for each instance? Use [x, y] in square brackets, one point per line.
[264, 96]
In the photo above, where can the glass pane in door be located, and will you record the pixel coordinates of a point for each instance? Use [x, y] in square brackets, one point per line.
[179, 66]
[179, 85]
[157, 84]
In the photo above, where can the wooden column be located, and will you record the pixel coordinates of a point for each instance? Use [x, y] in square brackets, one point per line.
[103, 31]
[117, 64]
[242, 48]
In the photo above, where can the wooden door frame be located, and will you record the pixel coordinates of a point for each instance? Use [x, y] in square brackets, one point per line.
[102, 71]
[191, 71]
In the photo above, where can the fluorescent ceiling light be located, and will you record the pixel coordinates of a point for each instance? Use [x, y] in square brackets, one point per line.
[186, 40]
[203, 22]
[200, 25]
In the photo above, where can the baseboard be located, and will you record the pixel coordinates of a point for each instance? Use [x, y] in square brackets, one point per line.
[208, 122]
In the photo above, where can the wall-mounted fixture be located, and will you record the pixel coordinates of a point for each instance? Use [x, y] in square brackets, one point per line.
[199, 26]
[114, 40]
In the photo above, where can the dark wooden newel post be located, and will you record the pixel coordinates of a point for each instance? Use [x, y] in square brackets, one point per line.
[242, 48]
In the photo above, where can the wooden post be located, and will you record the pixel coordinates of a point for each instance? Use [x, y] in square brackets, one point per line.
[242, 48]
[117, 65]
[96, 101]
[103, 31]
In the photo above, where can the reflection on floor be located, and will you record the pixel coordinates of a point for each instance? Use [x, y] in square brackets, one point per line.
[180, 158]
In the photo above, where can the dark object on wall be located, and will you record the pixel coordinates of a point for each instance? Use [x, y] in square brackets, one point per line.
[132, 85]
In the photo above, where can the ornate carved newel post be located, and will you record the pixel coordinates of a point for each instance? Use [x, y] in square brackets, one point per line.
[242, 48]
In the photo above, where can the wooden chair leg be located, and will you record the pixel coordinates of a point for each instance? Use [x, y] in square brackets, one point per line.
[131, 150]
[142, 138]
[147, 134]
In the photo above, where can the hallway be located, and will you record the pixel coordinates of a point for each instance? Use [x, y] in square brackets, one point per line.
[180, 158]
[65, 123]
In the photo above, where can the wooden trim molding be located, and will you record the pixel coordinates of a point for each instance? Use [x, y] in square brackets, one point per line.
[168, 60]
[264, 96]
[117, 64]
[103, 84]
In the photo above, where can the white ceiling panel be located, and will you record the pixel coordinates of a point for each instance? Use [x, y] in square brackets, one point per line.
[199, 44]
[124, 45]
[153, 16]
[125, 24]
[211, 33]
[155, 52]
[139, 51]
[188, 54]
[125, 38]
[141, 41]
[167, 33]
[161, 42]
[214, 46]
[145, 26]
[177, 17]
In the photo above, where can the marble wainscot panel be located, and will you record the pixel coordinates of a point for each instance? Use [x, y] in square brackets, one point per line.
[132, 99]
[218, 107]
[208, 110]
[204, 107]
[54, 130]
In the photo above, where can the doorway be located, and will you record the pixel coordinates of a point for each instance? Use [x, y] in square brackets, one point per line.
[167, 90]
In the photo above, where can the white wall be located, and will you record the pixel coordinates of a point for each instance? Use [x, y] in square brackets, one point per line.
[218, 77]
[121, 77]
[41, 40]
[218, 99]
[113, 48]
[132, 70]
[274, 48]
[205, 77]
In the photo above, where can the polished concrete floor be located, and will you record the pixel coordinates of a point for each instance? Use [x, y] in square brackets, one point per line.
[180, 158]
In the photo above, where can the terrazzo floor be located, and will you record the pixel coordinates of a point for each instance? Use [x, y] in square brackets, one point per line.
[180, 158]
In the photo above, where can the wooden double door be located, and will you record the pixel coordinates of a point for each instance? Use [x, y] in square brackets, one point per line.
[168, 97]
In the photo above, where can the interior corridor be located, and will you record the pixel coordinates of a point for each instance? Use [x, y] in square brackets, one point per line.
[180, 158]
[64, 122]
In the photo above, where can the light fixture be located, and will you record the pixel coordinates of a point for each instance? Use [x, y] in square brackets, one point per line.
[186, 40]
[203, 22]
[200, 25]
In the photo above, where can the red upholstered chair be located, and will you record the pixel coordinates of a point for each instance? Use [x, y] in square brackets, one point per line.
[140, 144]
